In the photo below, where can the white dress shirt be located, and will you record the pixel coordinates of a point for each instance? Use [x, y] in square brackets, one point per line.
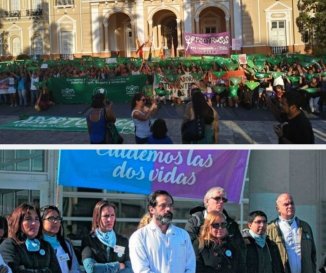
[152, 251]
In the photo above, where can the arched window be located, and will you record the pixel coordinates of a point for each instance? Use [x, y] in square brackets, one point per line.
[16, 46]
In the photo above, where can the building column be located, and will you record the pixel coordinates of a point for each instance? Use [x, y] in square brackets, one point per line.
[133, 31]
[95, 28]
[237, 19]
[140, 23]
[227, 24]
[179, 36]
[159, 36]
[106, 36]
[150, 28]
[197, 25]
[187, 16]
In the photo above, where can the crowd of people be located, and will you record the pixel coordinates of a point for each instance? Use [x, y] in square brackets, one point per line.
[210, 242]
[261, 74]
[261, 82]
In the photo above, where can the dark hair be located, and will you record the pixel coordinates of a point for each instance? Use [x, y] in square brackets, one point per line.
[97, 212]
[4, 226]
[152, 202]
[15, 222]
[294, 98]
[254, 214]
[159, 129]
[136, 97]
[200, 106]
[60, 235]
[98, 100]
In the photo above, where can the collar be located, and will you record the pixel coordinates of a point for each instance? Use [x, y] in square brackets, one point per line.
[289, 222]
[155, 227]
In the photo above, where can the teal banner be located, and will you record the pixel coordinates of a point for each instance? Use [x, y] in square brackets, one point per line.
[81, 90]
[68, 124]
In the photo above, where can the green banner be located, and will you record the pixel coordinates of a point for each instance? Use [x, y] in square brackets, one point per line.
[81, 90]
[68, 124]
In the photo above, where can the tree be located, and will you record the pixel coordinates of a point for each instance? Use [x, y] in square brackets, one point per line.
[311, 22]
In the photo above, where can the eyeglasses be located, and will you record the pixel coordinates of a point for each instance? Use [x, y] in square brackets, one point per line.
[220, 198]
[53, 219]
[219, 225]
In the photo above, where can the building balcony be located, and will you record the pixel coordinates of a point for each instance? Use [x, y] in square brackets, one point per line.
[34, 12]
[11, 14]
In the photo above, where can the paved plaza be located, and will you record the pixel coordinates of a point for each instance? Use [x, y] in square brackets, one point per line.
[237, 125]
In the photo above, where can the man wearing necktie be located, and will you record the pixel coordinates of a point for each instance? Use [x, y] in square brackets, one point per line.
[293, 237]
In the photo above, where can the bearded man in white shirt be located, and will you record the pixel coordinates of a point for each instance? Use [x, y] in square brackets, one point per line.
[293, 237]
[161, 247]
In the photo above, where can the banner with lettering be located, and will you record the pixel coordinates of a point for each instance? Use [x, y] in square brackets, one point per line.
[183, 173]
[81, 90]
[207, 44]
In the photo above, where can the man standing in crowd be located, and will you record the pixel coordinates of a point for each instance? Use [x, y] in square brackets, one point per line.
[214, 200]
[161, 247]
[293, 237]
[297, 128]
[262, 254]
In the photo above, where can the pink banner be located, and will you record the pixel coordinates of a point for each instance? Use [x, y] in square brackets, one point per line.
[207, 44]
[202, 170]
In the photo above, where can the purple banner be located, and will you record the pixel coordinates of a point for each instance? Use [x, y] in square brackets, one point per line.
[183, 173]
[207, 44]
[203, 169]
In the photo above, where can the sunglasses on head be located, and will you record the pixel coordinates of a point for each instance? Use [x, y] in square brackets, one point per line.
[220, 198]
[219, 225]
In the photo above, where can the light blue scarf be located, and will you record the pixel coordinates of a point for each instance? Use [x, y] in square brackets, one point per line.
[108, 238]
[260, 239]
[53, 240]
[33, 245]
[290, 221]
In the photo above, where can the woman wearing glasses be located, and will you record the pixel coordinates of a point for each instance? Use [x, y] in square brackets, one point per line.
[54, 235]
[103, 250]
[215, 251]
[24, 250]
[141, 115]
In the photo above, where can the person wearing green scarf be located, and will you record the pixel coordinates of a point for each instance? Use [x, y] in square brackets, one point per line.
[262, 254]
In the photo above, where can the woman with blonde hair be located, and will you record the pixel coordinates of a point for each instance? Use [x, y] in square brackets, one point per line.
[145, 220]
[215, 251]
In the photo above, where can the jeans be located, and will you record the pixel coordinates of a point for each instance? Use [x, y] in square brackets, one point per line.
[22, 94]
[34, 94]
